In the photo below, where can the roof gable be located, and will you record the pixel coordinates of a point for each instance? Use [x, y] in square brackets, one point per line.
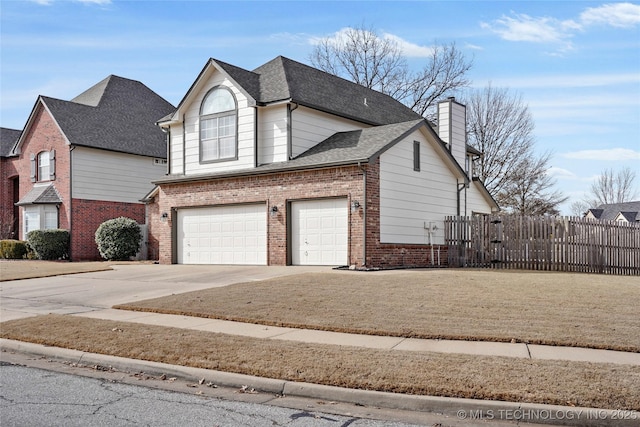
[41, 195]
[609, 212]
[283, 79]
[116, 114]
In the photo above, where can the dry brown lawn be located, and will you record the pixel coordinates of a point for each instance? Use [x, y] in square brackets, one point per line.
[584, 310]
[28, 269]
[596, 385]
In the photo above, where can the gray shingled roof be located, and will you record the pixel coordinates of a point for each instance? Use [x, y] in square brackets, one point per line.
[284, 79]
[116, 114]
[8, 138]
[317, 89]
[41, 194]
[610, 211]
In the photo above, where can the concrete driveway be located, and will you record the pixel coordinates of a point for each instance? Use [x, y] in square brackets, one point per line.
[80, 293]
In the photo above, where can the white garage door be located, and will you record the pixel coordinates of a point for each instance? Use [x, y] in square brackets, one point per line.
[319, 230]
[223, 235]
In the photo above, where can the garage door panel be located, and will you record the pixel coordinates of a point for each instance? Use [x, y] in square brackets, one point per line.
[222, 235]
[319, 232]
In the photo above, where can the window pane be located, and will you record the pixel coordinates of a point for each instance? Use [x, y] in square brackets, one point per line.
[208, 129]
[227, 125]
[31, 220]
[217, 101]
[50, 217]
[227, 147]
[43, 166]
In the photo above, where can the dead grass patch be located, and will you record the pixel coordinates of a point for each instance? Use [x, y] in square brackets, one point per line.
[453, 375]
[583, 310]
[29, 269]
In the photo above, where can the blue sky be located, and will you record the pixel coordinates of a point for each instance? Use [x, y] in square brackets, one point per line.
[575, 63]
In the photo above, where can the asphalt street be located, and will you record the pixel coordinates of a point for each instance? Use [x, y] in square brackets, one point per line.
[37, 397]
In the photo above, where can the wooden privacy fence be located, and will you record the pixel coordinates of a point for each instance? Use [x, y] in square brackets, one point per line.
[543, 243]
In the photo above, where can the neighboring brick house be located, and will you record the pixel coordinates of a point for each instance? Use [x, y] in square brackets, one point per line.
[8, 185]
[620, 212]
[288, 165]
[79, 163]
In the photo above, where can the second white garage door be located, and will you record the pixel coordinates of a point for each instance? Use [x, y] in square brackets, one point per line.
[319, 232]
[223, 235]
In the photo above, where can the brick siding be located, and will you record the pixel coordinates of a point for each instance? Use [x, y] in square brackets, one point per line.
[281, 188]
[87, 215]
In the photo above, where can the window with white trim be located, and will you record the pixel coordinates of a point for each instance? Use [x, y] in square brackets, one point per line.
[39, 217]
[218, 136]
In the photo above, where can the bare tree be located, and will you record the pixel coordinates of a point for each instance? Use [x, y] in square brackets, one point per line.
[613, 187]
[529, 191]
[579, 208]
[500, 126]
[364, 57]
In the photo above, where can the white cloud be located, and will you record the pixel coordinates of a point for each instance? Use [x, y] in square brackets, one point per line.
[611, 154]
[561, 173]
[619, 15]
[408, 49]
[473, 46]
[523, 27]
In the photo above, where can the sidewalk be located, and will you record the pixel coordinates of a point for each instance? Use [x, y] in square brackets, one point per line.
[457, 411]
[483, 348]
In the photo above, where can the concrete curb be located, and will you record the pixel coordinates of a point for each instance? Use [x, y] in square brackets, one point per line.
[456, 408]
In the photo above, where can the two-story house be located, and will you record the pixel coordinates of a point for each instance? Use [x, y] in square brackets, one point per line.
[79, 163]
[289, 165]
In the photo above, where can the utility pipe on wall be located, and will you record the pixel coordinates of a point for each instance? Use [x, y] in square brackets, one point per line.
[364, 214]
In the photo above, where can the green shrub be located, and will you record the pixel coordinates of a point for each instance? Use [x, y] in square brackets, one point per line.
[13, 249]
[118, 239]
[49, 244]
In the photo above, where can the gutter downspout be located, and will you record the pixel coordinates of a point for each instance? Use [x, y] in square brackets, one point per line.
[290, 129]
[70, 213]
[364, 214]
[184, 145]
[255, 137]
[459, 188]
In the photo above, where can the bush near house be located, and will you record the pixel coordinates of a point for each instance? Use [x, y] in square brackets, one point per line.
[49, 244]
[118, 239]
[14, 249]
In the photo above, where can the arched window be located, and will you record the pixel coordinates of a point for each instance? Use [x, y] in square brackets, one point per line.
[218, 114]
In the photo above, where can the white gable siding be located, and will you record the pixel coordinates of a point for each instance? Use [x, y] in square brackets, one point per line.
[475, 201]
[310, 127]
[109, 176]
[409, 199]
[272, 134]
[176, 150]
[245, 126]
